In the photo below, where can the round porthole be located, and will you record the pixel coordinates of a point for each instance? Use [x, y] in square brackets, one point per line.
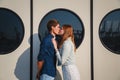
[64, 16]
[11, 31]
[109, 31]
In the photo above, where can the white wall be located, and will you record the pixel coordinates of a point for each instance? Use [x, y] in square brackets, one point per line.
[15, 66]
[106, 64]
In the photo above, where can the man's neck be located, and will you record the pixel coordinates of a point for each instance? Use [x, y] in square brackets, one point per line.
[52, 34]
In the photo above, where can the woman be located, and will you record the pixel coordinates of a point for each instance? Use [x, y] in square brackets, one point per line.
[66, 54]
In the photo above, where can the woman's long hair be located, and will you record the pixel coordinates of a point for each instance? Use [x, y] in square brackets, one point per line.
[68, 32]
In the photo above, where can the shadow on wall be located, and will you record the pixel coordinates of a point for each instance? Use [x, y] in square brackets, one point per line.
[36, 44]
[22, 69]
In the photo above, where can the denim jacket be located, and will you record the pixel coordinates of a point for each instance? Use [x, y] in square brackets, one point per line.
[47, 54]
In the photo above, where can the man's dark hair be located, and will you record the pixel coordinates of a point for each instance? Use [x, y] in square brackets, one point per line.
[51, 23]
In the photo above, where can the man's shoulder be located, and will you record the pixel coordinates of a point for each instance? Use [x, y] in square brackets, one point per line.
[47, 39]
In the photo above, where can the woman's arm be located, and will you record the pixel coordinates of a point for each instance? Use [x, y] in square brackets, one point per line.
[57, 52]
[65, 51]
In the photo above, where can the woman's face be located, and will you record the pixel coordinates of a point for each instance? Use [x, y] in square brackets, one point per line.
[61, 32]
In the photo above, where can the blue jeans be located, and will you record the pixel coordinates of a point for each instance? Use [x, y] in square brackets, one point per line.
[46, 77]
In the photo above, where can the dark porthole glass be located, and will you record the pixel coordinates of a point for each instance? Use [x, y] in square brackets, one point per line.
[109, 31]
[11, 31]
[64, 16]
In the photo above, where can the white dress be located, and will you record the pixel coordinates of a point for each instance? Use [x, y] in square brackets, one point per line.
[66, 57]
[70, 72]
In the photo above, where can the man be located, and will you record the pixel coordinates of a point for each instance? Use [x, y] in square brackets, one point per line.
[46, 58]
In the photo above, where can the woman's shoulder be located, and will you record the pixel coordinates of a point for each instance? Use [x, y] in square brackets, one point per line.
[67, 42]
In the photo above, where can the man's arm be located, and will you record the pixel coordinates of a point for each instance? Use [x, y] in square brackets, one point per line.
[39, 67]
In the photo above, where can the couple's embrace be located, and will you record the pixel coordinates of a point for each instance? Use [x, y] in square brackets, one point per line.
[61, 50]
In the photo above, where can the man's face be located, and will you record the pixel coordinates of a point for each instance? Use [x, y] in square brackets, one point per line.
[56, 29]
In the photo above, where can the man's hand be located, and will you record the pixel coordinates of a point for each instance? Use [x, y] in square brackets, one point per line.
[37, 76]
[39, 65]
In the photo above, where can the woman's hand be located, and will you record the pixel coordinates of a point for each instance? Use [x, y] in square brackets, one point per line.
[55, 44]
